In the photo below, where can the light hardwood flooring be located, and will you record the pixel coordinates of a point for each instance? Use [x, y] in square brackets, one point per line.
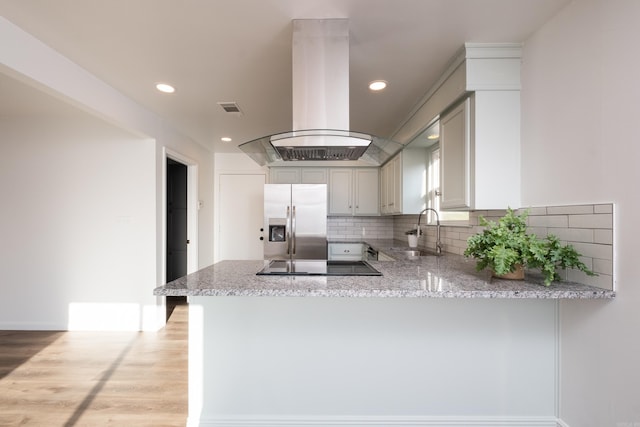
[95, 378]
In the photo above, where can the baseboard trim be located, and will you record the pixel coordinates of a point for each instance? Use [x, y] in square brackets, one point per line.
[32, 326]
[375, 421]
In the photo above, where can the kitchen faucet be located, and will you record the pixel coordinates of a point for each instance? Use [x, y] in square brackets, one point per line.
[438, 243]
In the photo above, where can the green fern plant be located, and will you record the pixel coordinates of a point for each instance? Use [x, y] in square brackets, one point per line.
[505, 244]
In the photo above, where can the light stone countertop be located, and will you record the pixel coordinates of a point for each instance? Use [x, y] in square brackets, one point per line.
[447, 276]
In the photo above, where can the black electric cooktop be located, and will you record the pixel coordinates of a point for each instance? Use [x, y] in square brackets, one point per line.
[318, 268]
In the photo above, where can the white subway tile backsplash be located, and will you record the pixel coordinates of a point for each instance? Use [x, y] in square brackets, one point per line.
[603, 236]
[591, 221]
[359, 227]
[603, 266]
[574, 234]
[608, 208]
[538, 231]
[570, 210]
[604, 281]
[589, 228]
[551, 221]
[594, 250]
[534, 210]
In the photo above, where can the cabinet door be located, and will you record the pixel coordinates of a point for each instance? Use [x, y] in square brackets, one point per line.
[366, 192]
[397, 184]
[455, 160]
[340, 191]
[390, 184]
[384, 170]
[285, 176]
[313, 176]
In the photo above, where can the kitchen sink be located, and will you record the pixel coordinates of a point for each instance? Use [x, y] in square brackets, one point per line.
[414, 253]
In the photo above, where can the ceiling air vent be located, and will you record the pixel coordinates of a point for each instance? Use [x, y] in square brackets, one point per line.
[230, 107]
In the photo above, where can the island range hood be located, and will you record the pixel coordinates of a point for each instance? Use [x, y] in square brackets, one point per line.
[320, 65]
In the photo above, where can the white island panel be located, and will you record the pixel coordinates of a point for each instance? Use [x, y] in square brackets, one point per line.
[374, 361]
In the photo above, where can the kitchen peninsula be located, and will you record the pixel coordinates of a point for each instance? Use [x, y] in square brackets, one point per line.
[448, 276]
[431, 342]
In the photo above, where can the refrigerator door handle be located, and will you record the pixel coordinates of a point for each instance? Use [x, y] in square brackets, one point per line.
[293, 228]
[288, 227]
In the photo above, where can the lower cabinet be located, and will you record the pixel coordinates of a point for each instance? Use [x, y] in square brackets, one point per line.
[346, 251]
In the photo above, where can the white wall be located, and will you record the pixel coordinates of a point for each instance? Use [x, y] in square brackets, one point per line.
[78, 224]
[94, 236]
[580, 110]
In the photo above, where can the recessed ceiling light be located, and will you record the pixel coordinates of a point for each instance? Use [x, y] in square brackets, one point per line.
[377, 85]
[163, 87]
[225, 139]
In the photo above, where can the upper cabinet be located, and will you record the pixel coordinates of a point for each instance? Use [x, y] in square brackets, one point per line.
[403, 180]
[290, 175]
[480, 152]
[478, 103]
[353, 191]
[455, 158]
[391, 186]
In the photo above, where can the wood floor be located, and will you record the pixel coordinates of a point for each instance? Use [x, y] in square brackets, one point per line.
[95, 378]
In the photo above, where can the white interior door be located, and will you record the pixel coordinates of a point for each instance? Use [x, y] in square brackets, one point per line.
[241, 216]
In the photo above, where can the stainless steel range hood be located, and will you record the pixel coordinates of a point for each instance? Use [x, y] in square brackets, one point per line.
[320, 58]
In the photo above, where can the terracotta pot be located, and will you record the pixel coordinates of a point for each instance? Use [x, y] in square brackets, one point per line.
[517, 274]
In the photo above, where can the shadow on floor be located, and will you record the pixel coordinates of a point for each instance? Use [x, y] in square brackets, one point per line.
[20, 346]
[172, 302]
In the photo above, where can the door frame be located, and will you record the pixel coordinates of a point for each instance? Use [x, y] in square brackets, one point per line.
[192, 210]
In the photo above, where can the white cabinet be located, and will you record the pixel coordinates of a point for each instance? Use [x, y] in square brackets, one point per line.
[480, 152]
[353, 191]
[313, 176]
[284, 176]
[366, 191]
[391, 186]
[455, 158]
[340, 192]
[384, 192]
[290, 175]
[480, 138]
[346, 251]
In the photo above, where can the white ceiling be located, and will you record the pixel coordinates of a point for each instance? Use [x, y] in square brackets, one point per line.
[240, 50]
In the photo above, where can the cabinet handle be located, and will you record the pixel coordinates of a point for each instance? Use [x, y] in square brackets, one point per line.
[438, 193]
[346, 251]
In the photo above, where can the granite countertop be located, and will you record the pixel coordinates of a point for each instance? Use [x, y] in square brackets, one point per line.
[447, 276]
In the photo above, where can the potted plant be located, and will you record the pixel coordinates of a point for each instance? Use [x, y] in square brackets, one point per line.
[507, 249]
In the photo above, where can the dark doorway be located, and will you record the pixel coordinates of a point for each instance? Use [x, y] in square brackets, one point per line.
[176, 256]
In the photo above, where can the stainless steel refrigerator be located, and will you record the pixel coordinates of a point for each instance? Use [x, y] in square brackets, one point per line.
[295, 221]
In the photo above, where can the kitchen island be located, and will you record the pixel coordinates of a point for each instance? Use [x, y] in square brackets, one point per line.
[431, 342]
